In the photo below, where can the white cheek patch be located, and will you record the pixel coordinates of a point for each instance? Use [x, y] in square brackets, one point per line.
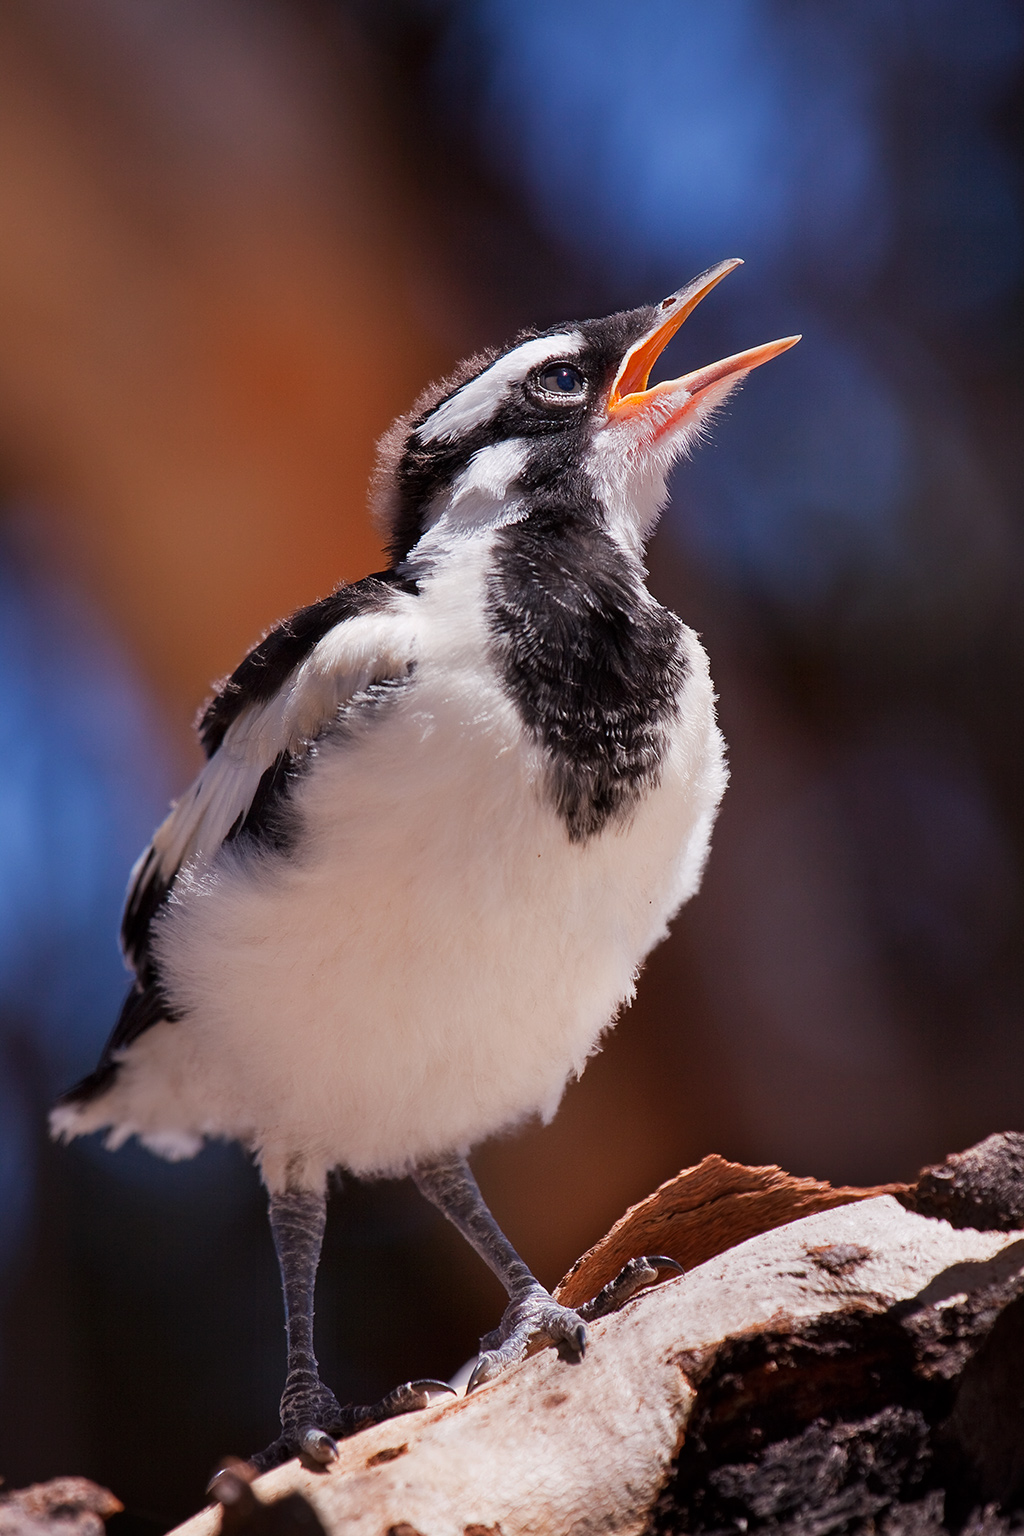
[481, 496]
[476, 402]
[490, 472]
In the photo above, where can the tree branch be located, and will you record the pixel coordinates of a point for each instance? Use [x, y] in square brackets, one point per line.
[832, 1359]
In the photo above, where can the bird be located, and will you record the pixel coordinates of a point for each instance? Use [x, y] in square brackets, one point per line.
[446, 813]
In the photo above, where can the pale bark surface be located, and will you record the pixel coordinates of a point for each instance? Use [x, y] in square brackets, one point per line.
[834, 1362]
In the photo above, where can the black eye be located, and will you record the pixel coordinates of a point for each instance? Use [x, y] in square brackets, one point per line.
[562, 380]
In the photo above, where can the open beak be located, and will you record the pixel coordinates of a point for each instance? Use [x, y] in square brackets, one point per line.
[630, 395]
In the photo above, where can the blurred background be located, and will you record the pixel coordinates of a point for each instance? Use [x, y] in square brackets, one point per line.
[236, 238]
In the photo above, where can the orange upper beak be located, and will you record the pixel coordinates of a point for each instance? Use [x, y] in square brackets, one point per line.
[630, 394]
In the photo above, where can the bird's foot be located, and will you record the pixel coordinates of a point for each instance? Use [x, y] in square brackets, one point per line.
[533, 1319]
[311, 1418]
[313, 1421]
[633, 1277]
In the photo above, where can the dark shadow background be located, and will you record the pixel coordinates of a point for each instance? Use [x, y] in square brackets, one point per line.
[235, 240]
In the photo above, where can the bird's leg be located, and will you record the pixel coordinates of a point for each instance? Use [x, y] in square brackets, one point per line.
[532, 1314]
[311, 1416]
[309, 1410]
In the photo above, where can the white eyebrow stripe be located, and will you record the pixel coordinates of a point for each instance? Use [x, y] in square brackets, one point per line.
[476, 402]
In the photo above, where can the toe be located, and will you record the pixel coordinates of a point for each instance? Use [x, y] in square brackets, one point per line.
[313, 1423]
[275, 1455]
[554, 1324]
[412, 1395]
[565, 1329]
[230, 1487]
[408, 1398]
[634, 1276]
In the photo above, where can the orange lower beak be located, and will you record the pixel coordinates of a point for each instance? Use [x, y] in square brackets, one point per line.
[629, 393]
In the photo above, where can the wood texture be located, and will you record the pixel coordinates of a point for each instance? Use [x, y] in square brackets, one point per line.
[590, 1448]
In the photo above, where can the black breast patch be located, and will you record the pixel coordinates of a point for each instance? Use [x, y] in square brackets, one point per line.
[594, 664]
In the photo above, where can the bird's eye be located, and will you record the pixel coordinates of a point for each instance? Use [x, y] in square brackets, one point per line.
[562, 381]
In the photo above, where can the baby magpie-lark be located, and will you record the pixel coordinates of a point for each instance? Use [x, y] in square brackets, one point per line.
[447, 811]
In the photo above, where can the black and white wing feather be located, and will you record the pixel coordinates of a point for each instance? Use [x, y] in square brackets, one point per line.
[258, 731]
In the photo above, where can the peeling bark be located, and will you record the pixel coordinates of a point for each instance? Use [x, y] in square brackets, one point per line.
[65, 1506]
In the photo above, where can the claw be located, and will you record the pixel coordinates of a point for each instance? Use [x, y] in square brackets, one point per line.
[662, 1261]
[482, 1372]
[418, 1394]
[317, 1444]
[429, 1386]
[577, 1341]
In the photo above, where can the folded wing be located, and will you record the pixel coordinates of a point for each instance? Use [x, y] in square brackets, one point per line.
[258, 730]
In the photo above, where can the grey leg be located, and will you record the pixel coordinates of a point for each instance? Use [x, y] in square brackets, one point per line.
[531, 1315]
[308, 1409]
[311, 1416]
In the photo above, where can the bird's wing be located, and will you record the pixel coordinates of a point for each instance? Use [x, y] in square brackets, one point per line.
[258, 730]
